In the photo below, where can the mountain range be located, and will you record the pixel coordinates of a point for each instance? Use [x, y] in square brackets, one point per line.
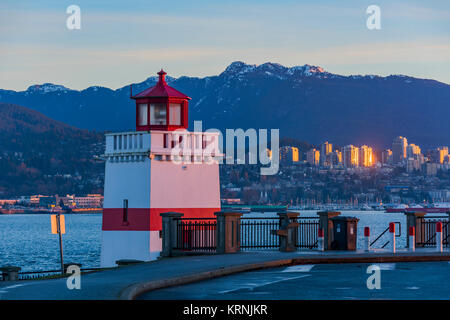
[39, 154]
[304, 102]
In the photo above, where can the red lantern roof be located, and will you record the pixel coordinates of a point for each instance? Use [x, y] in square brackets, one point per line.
[161, 89]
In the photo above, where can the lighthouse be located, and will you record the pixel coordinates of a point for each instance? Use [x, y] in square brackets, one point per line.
[158, 168]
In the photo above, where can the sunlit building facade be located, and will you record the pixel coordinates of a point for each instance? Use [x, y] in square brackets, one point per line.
[442, 154]
[365, 156]
[412, 150]
[289, 154]
[386, 156]
[313, 157]
[399, 149]
[325, 150]
[350, 156]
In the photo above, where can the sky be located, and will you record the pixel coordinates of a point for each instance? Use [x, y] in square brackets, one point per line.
[122, 42]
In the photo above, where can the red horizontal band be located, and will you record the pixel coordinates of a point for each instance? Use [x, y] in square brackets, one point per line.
[366, 232]
[439, 226]
[139, 219]
[412, 231]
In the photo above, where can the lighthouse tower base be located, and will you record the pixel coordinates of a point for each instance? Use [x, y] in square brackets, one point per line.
[143, 180]
[138, 245]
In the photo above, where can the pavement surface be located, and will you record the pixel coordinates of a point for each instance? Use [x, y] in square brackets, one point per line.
[130, 281]
[405, 280]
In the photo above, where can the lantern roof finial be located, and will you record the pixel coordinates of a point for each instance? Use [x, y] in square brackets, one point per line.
[161, 90]
[162, 76]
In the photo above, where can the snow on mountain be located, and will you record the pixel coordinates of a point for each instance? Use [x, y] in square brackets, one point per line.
[46, 88]
[302, 101]
[237, 70]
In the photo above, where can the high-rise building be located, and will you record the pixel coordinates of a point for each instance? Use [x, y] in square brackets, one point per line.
[289, 155]
[334, 158]
[442, 154]
[412, 150]
[325, 149]
[365, 156]
[430, 169]
[350, 156]
[338, 157]
[295, 154]
[399, 149]
[313, 157]
[412, 164]
[386, 156]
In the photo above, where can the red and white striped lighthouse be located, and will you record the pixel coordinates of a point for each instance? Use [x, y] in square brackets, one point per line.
[160, 167]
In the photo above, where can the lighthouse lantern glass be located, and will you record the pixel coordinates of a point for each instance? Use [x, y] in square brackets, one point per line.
[175, 114]
[143, 114]
[158, 114]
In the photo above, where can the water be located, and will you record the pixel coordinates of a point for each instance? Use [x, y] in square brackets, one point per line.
[26, 240]
[378, 221]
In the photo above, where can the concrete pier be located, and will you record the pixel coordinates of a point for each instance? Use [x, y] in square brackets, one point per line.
[128, 282]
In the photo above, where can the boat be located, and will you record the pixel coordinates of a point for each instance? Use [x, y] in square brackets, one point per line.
[11, 211]
[433, 208]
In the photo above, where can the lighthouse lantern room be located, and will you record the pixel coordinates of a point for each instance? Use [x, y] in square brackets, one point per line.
[161, 107]
[144, 177]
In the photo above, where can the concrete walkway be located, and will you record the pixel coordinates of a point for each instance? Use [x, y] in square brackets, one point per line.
[130, 281]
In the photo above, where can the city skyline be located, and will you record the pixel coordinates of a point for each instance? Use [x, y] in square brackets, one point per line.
[364, 156]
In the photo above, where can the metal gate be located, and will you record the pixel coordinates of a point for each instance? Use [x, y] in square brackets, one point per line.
[426, 233]
[256, 233]
[307, 232]
[196, 234]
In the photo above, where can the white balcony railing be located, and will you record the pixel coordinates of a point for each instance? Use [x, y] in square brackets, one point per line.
[162, 145]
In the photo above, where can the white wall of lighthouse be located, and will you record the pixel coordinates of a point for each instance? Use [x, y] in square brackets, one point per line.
[142, 168]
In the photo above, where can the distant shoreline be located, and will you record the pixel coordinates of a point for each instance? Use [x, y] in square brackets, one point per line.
[43, 212]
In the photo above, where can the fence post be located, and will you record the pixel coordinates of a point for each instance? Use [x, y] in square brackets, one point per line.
[320, 240]
[169, 232]
[366, 239]
[439, 236]
[288, 238]
[326, 225]
[414, 219]
[412, 239]
[10, 273]
[228, 232]
[392, 233]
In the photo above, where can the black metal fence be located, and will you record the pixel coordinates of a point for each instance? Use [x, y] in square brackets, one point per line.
[38, 274]
[196, 234]
[426, 236]
[199, 234]
[307, 232]
[256, 233]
